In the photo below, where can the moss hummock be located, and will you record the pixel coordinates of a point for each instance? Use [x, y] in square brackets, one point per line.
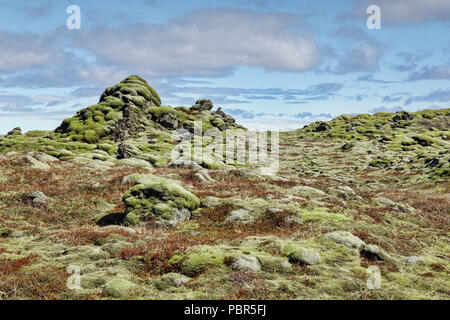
[157, 197]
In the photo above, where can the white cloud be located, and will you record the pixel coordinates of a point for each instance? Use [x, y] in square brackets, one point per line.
[20, 51]
[365, 57]
[207, 42]
[439, 95]
[431, 73]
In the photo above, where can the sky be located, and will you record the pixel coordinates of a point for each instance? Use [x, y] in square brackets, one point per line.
[272, 64]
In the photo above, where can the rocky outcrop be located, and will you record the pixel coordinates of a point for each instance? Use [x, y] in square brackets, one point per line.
[121, 113]
[202, 105]
[132, 107]
[15, 132]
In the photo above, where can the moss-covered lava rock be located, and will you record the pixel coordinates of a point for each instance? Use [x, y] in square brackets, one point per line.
[121, 113]
[161, 198]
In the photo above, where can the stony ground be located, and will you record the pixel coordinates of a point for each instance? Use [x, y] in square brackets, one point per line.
[350, 194]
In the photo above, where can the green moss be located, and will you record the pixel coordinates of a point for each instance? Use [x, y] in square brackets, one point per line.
[322, 214]
[158, 112]
[110, 148]
[444, 171]
[37, 133]
[380, 162]
[15, 132]
[197, 261]
[424, 140]
[121, 288]
[274, 264]
[158, 196]
[90, 136]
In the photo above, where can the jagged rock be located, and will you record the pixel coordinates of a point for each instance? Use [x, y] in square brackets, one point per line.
[168, 122]
[202, 105]
[247, 263]
[345, 238]
[127, 150]
[129, 109]
[220, 113]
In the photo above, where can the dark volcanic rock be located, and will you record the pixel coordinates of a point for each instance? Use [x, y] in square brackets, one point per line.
[15, 132]
[220, 113]
[322, 127]
[402, 116]
[167, 121]
[201, 105]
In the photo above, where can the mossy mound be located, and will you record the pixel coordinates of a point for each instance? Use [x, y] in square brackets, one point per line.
[121, 113]
[133, 87]
[160, 198]
[15, 132]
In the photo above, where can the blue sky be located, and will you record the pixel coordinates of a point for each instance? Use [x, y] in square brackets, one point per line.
[275, 64]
